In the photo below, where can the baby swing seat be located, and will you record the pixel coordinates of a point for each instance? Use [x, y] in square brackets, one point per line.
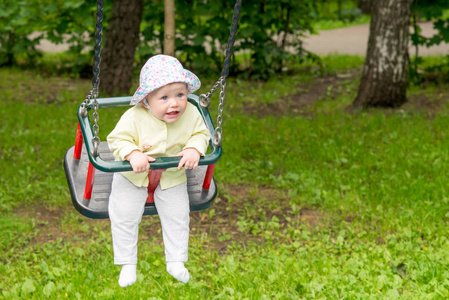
[90, 194]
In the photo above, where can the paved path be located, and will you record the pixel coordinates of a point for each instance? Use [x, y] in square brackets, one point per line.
[354, 40]
[350, 40]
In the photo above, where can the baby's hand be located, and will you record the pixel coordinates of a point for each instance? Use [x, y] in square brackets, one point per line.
[139, 161]
[190, 158]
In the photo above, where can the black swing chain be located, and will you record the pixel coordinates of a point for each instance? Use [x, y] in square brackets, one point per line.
[93, 94]
[96, 79]
[205, 98]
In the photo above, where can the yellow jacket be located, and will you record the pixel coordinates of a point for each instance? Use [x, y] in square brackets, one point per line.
[138, 129]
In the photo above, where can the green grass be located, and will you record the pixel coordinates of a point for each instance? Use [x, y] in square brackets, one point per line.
[328, 204]
[324, 24]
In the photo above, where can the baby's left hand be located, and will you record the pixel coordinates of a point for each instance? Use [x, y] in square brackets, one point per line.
[190, 158]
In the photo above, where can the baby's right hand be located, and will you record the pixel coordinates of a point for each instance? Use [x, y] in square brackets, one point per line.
[139, 161]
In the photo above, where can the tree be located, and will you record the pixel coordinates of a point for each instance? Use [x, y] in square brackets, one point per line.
[365, 6]
[169, 27]
[121, 40]
[384, 77]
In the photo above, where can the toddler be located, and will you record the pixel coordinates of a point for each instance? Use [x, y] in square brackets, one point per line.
[162, 123]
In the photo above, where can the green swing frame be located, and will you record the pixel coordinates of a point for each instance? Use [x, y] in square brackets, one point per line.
[161, 162]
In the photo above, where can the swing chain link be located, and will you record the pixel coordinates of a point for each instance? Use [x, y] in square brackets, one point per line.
[95, 140]
[219, 129]
[205, 98]
[85, 104]
[204, 101]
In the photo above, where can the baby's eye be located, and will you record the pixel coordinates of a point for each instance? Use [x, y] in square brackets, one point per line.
[164, 97]
[180, 95]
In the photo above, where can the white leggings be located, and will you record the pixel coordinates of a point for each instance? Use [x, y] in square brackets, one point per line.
[126, 207]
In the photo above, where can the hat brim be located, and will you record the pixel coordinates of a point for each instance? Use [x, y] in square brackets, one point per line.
[188, 77]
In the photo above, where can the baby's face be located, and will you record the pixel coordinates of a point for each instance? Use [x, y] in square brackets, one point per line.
[169, 102]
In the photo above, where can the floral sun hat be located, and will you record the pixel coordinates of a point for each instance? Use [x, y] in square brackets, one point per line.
[161, 70]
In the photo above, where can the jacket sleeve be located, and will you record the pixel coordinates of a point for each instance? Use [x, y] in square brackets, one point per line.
[200, 136]
[122, 140]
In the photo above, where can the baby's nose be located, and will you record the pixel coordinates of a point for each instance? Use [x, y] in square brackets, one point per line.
[173, 102]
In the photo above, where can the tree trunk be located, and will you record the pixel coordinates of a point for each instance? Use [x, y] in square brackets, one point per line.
[121, 40]
[365, 6]
[169, 27]
[384, 81]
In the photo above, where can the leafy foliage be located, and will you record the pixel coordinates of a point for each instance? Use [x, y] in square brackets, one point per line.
[15, 36]
[343, 10]
[203, 32]
[432, 11]
[273, 28]
[24, 23]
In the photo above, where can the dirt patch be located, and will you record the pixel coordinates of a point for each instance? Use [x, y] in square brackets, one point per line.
[51, 90]
[221, 221]
[242, 202]
[46, 223]
[422, 102]
[328, 88]
[49, 224]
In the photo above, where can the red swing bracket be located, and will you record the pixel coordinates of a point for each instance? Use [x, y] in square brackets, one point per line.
[78, 143]
[154, 176]
[208, 176]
